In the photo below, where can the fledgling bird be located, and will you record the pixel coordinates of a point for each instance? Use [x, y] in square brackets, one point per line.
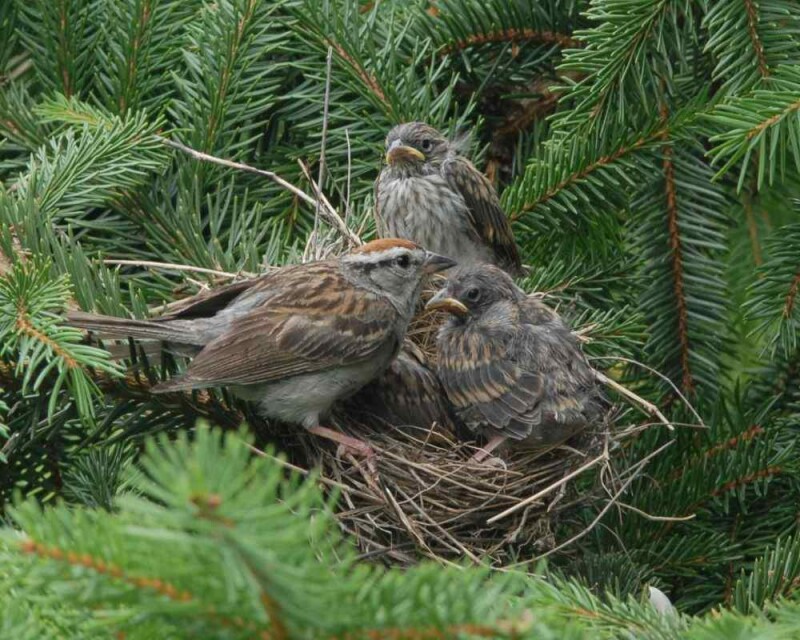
[430, 194]
[510, 366]
[297, 339]
[407, 393]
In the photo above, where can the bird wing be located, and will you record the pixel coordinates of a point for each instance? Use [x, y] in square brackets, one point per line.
[208, 303]
[407, 393]
[486, 215]
[316, 320]
[487, 386]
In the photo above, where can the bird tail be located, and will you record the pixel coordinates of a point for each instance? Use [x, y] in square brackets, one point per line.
[111, 327]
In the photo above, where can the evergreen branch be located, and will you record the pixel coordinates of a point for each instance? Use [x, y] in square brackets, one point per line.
[772, 304]
[750, 39]
[791, 296]
[677, 266]
[765, 122]
[539, 186]
[91, 164]
[512, 35]
[775, 575]
[619, 60]
[366, 78]
[61, 39]
[752, 22]
[682, 238]
[144, 583]
[29, 303]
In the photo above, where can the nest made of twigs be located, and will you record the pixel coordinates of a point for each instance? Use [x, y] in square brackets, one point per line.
[428, 499]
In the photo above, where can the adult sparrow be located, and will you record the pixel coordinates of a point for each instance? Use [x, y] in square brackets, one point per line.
[431, 195]
[297, 339]
[509, 364]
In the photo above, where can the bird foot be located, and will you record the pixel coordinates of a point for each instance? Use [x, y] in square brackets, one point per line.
[485, 452]
[349, 445]
[359, 449]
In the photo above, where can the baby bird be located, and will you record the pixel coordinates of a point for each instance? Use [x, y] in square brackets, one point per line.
[509, 365]
[429, 194]
[407, 394]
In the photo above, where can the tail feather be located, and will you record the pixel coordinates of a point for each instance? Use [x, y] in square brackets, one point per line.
[109, 326]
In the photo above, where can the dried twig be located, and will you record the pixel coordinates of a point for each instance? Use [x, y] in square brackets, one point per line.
[178, 267]
[601, 458]
[660, 375]
[651, 409]
[330, 213]
[610, 504]
[326, 209]
[321, 174]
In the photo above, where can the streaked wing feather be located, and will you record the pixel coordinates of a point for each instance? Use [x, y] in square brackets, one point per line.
[296, 332]
[485, 212]
[491, 388]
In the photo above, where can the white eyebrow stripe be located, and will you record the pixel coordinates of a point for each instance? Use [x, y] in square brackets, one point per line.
[375, 256]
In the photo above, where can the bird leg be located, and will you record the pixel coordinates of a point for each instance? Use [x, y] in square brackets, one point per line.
[483, 452]
[351, 445]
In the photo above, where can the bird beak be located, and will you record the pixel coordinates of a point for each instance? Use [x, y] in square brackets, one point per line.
[434, 263]
[398, 152]
[444, 302]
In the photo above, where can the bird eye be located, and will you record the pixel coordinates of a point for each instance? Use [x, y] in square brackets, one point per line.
[473, 294]
[403, 261]
[426, 144]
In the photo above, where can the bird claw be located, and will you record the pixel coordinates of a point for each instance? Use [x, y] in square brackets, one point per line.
[359, 450]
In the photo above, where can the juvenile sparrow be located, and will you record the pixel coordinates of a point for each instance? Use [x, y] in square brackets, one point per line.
[407, 393]
[509, 364]
[297, 339]
[431, 195]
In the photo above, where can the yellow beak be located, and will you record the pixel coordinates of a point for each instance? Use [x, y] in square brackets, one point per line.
[451, 305]
[399, 153]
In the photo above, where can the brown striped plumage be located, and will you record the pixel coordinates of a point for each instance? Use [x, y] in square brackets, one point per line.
[407, 393]
[299, 338]
[430, 194]
[509, 364]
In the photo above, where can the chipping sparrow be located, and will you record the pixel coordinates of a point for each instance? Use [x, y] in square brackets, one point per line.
[509, 364]
[297, 339]
[431, 195]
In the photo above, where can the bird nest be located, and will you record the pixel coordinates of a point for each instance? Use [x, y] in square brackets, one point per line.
[428, 499]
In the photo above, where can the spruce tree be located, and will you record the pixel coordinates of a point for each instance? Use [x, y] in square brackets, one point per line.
[647, 153]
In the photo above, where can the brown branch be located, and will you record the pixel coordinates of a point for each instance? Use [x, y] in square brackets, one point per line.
[161, 587]
[513, 35]
[752, 133]
[366, 77]
[677, 260]
[62, 52]
[791, 296]
[583, 173]
[748, 479]
[746, 436]
[755, 39]
[25, 326]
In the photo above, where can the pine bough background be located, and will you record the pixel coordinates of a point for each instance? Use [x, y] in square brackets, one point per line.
[647, 152]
